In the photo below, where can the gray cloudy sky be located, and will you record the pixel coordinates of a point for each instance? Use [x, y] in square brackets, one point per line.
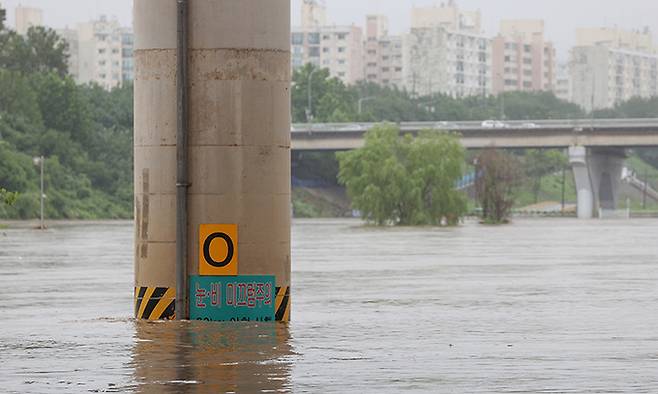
[562, 16]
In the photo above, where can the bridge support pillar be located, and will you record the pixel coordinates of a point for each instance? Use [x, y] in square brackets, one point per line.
[597, 172]
[238, 151]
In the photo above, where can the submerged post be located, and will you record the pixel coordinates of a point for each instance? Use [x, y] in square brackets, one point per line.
[237, 183]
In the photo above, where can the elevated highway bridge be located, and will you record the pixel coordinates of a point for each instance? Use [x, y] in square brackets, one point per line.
[597, 147]
[618, 133]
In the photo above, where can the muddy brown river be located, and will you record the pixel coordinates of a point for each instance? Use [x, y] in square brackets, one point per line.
[542, 305]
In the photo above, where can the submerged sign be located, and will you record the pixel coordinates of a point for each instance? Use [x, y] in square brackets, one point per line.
[232, 298]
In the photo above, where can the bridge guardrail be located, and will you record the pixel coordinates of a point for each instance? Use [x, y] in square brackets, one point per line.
[538, 125]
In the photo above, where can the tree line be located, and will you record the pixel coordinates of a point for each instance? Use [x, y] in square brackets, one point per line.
[333, 101]
[83, 131]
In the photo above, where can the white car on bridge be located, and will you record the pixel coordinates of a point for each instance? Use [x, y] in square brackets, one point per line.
[493, 124]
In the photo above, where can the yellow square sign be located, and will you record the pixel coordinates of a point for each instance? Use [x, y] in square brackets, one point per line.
[218, 249]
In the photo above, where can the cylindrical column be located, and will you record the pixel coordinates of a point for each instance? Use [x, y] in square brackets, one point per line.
[585, 194]
[238, 135]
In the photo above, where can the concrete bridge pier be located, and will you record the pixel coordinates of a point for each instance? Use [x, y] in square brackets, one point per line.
[238, 157]
[597, 172]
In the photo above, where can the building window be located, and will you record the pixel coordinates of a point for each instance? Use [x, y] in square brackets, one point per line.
[341, 49]
[314, 38]
[297, 38]
[341, 36]
[314, 51]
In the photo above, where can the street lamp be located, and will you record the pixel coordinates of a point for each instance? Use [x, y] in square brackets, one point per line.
[309, 108]
[40, 161]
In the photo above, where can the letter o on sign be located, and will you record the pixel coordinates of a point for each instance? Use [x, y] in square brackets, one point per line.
[229, 252]
[218, 249]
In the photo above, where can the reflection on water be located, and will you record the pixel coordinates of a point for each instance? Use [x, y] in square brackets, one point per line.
[196, 357]
[554, 305]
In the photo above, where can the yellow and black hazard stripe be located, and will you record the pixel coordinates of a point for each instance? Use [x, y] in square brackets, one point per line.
[155, 303]
[282, 304]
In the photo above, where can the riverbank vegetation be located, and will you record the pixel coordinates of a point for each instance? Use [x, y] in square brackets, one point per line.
[83, 131]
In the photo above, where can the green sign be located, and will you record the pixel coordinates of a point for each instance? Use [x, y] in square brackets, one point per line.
[232, 298]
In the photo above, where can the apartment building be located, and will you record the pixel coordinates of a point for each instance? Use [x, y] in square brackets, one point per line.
[603, 76]
[611, 65]
[71, 37]
[635, 40]
[522, 60]
[383, 53]
[563, 89]
[437, 60]
[448, 16]
[445, 52]
[27, 17]
[337, 48]
[103, 53]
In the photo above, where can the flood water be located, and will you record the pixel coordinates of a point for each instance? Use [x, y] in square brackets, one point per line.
[543, 305]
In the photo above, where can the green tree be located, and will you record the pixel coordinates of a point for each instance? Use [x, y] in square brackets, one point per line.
[331, 100]
[539, 163]
[41, 50]
[405, 180]
[7, 197]
[498, 177]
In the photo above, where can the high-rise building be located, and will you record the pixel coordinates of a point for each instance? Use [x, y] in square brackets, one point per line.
[437, 60]
[383, 53]
[611, 65]
[27, 17]
[314, 14]
[337, 48]
[71, 37]
[448, 16]
[446, 53]
[104, 53]
[634, 40]
[522, 60]
[603, 76]
[563, 89]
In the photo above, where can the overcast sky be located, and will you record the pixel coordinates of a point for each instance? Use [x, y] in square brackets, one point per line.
[561, 16]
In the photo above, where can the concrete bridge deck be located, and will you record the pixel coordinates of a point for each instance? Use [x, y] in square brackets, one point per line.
[620, 133]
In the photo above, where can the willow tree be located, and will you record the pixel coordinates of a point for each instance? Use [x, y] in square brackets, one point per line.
[498, 177]
[405, 180]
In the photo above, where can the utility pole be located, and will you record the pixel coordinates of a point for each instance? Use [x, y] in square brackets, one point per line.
[40, 161]
[644, 192]
[309, 108]
[564, 178]
[42, 225]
